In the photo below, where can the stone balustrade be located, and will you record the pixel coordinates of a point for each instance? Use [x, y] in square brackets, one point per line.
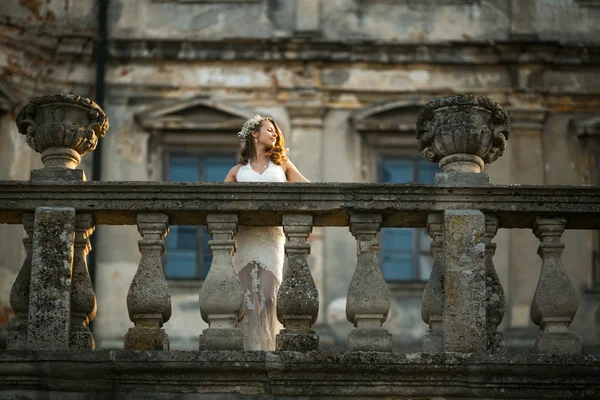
[463, 302]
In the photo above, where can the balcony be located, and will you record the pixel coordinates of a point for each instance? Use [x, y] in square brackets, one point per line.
[51, 348]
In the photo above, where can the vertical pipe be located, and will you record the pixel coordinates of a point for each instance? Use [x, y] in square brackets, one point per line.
[101, 59]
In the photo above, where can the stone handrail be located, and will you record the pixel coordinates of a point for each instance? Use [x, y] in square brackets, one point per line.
[463, 300]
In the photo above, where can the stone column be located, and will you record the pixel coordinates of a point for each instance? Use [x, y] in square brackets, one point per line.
[221, 295]
[83, 298]
[463, 133]
[432, 310]
[527, 168]
[464, 282]
[555, 301]
[63, 128]
[49, 317]
[19, 293]
[298, 298]
[369, 298]
[494, 292]
[148, 299]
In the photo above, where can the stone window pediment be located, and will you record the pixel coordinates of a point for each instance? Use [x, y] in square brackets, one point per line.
[197, 114]
[197, 121]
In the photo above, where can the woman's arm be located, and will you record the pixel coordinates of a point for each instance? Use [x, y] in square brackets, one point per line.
[292, 173]
[231, 175]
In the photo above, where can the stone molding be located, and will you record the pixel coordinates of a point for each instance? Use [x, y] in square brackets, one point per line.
[163, 117]
[118, 203]
[588, 3]
[378, 52]
[236, 374]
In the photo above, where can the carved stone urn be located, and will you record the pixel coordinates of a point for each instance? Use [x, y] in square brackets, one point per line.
[62, 127]
[462, 132]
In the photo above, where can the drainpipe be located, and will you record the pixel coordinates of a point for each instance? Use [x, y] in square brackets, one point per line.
[101, 58]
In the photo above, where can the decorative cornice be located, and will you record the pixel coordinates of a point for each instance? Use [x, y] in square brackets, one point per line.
[311, 49]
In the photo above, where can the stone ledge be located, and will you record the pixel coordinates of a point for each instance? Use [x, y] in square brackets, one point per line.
[118, 203]
[160, 374]
[374, 51]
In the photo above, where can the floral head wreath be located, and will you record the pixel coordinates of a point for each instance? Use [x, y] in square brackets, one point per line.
[249, 127]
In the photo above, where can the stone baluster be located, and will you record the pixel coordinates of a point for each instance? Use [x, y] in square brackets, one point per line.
[555, 301]
[298, 298]
[19, 293]
[432, 310]
[148, 299]
[494, 292]
[222, 297]
[49, 316]
[369, 299]
[83, 299]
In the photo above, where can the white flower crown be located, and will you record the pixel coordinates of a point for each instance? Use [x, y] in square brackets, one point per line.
[249, 127]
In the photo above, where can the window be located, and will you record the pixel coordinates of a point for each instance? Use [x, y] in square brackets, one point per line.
[188, 255]
[404, 252]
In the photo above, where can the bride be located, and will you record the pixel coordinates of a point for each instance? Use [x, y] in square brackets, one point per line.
[258, 260]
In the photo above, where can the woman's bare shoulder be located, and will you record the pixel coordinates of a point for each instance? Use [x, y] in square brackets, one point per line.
[231, 175]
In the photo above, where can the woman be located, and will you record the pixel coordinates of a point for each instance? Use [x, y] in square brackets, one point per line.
[258, 260]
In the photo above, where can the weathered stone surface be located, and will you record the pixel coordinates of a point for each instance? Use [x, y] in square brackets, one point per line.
[464, 282]
[51, 175]
[432, 310]
[238, 374]
[494, 291]
[555, 301]
[368, 302]
[297, 298]
[83, 298]
[118, 203]
[462, 132]
[50, 289]
[221, 296]
[462, 179]
[221, 339]
[148, 299]
[19, 293]
[62, 127]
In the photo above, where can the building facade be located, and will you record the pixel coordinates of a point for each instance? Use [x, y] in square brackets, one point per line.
[345, 81]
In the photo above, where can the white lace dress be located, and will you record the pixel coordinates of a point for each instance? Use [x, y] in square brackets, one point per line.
[258, 262]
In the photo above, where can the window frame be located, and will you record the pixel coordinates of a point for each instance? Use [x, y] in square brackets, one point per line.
[417, 245]
[167, 152]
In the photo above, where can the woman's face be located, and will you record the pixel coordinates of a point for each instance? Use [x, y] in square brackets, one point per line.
[266, 134]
